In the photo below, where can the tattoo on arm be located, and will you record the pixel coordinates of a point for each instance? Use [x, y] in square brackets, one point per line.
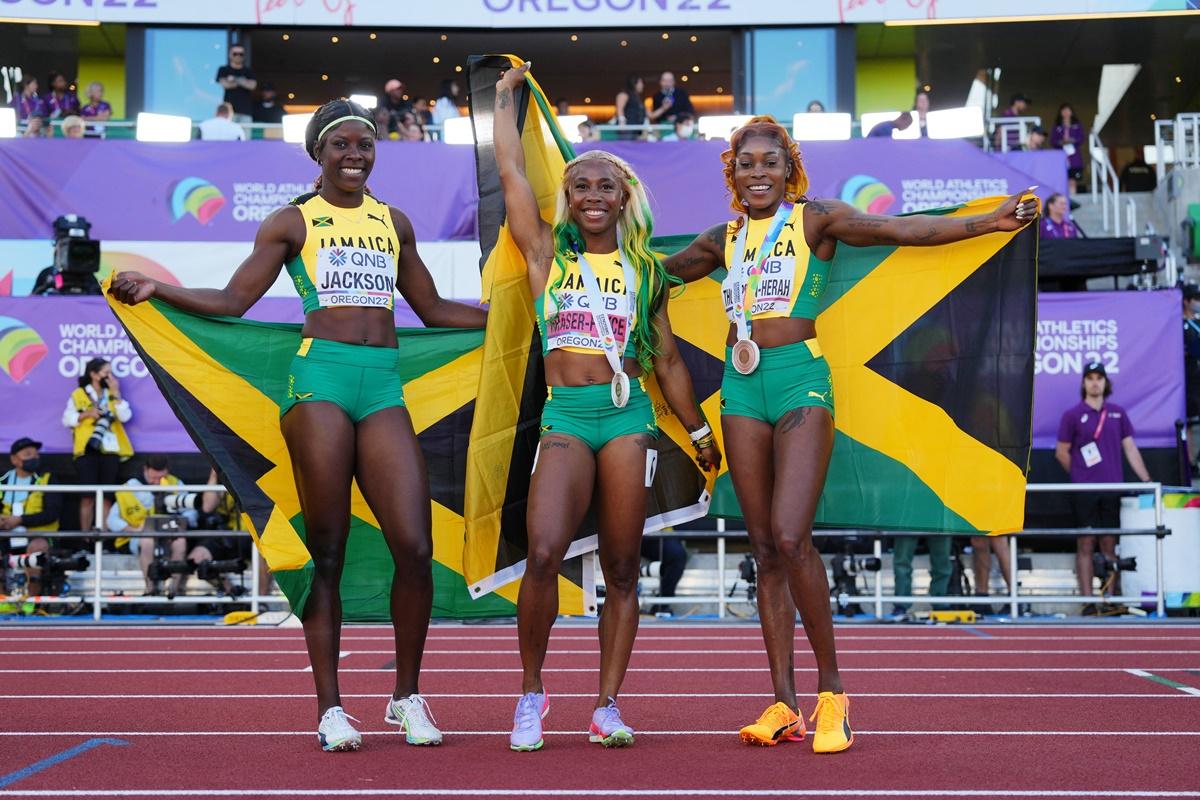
[927, 235]
[716, 235]
[794, 419]
[867, 222]
[504, 98]
[818, 207]
[971, 226]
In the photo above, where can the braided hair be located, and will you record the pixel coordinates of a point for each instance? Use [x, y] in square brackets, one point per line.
[330, 112]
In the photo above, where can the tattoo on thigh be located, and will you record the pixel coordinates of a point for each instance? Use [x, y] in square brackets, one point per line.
[559, 443]
[794, 419]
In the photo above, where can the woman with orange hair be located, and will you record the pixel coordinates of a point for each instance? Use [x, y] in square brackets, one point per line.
[777, 392]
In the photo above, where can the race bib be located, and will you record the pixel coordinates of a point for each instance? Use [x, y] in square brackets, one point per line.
[574, 325]
[355, 276]
[1091, 454]
[772, 288]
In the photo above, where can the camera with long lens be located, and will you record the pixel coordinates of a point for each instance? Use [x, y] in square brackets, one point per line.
[748, 572]
[846, 567]
[215, 570]
[1106, 568]
[76, 259]
[101, 431]
[54, 565]
[161, 569]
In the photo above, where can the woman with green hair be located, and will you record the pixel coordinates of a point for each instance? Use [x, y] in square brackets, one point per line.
[598, 424]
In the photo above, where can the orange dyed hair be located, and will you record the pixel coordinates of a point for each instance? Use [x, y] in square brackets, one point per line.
[766, 127]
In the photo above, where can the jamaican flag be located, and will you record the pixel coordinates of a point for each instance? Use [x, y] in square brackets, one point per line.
[222, 377]
[512, 384]
[931, 350]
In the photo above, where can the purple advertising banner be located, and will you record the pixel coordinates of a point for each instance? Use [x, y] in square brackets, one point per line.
[1135, 335]
[221, 191]
[45, 343]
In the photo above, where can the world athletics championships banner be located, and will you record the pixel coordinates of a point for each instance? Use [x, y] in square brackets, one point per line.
[1135, 335]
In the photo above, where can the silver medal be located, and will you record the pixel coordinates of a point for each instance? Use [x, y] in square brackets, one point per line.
[745, 356]
[620, 389]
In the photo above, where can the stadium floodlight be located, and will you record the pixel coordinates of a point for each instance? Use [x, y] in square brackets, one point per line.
[721, 126]
[873, 118]
[163, 128]
[955, 123]
[8, 123]
[367, 101]
[822, 127]
[458, 130]
[294, 126]
[570, 126]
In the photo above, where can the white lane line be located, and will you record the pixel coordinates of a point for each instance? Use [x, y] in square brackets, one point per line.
[637, 652]
[513, 695]
[297, 637]
[730, 732]
[590, 670]
[341, 654]
[1183, 687]
[621, 792]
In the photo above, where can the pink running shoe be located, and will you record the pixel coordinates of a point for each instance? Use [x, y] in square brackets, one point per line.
[608, 729]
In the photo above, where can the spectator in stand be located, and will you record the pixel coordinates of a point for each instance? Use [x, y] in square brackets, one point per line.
[1138, 176]
[588, 132]
[921, 107]
[670, 101]
[631, 108]
[1055, 223]
[132, 511]
[903, 550]
[385, 126]
[562, 107]
[62, 100]
[411, 129]
[268, 110]
[1191, 362]
[395, 101]
[1068, 135]
[72, 127]
[684, 130]
[1092, 436]
[446, 106]
[28, 103]
[96, 414]
[1008, 137]
[815, 107]
[96, 110]
[982, 550]
[884, 129]
[37, 127]
[221, 127]
[26, 512]
[239, 83]
[1036, 140]
[423, 112]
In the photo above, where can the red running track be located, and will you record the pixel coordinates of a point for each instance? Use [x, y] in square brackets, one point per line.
[984, 712]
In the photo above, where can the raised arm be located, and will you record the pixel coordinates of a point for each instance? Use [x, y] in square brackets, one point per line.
[280, 236]
[525, 223]
[676, 384]
[829, 221]
[701, 257]
[416, 285]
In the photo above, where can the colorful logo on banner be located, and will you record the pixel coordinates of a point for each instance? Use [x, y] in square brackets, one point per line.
[197, 197]
[21, 348]
[867, 194]
[116, 261]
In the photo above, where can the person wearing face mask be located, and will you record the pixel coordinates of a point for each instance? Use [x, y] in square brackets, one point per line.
[685, 129]
[1191, 361]
[96, 413]
[777, 392]
[26, 512]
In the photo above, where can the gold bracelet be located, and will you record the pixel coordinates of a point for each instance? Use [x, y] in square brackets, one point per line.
[707, 441]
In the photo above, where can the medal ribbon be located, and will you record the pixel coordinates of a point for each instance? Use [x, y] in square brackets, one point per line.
[608, 339]
[742, 311]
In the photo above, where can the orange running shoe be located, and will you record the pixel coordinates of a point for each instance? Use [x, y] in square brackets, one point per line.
[832, 716]
[777, 724]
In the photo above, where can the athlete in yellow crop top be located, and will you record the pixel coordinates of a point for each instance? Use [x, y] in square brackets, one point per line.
[344, 415]
[777, 395]
[601, 304]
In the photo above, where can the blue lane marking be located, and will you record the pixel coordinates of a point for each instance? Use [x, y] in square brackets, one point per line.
[979, 633]
[58, 758]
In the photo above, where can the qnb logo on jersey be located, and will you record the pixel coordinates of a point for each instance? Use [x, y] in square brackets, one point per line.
[867, 194]
[196, 197]
[21, 348]
[350, 276]
[337, 257]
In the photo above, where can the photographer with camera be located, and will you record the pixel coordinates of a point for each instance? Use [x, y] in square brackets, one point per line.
[24, 511]
[96, 413]
[215, 557]
[1092, 436]
[142, 512]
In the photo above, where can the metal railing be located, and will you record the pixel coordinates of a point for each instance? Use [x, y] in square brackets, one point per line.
[1014, 598]
[1106, 186]
[98, 598]
[1023, 126]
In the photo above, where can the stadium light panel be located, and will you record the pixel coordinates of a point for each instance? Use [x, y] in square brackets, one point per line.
[1149, 152]
[8, 123]
[823, 127]
[294, 126]
[457, 130]
[367, 101]
[955, 123]
[871, 119]
[721, 126]
[163, 128]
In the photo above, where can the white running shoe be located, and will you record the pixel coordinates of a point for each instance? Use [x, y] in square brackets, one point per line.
[335, 733]
[413, 716]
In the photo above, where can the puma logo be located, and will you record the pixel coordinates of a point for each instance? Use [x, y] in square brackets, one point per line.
[378, 219]
[822, 396]
[791, 225]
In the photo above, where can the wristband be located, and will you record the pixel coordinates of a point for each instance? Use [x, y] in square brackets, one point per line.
[699, 433]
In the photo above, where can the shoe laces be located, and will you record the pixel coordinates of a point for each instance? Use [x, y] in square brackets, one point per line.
[529, 711]
[776, 716]
[611, 715]
[418, 707]
[827, 714]
[337, 716]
